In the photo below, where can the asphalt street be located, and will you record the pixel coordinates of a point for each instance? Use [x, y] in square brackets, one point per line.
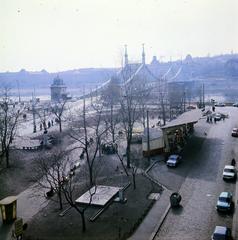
[199, 180]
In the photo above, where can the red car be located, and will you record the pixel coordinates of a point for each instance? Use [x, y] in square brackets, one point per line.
[234, 132]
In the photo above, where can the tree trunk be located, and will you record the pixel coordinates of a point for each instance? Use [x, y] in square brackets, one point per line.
[128, 155]
[60, 199]
[90, 176]
[60, 125]
[143, 117]
[7, 157]
[134, 180]
[112, 125]
[83, 222]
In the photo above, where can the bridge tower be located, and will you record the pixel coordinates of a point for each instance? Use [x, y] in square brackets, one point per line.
[143, 54]
[126, 55]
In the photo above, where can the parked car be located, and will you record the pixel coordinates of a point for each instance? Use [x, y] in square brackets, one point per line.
[234, 132]
[173, 160]
[220, 104]
[229, 172]
[190, 107]
[224, 115]
[217, 116]
[221, 233]
[224, 203]
[235, 104]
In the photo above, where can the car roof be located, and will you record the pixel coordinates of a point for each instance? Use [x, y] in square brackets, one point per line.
[235, 129]
[229, 167]
[173, 156]
[225, 194]
[220, 230]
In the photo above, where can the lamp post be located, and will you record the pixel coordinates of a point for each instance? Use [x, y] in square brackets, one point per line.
[148, 135]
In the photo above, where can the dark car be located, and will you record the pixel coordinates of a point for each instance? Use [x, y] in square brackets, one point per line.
[221, 233]
[235, 104]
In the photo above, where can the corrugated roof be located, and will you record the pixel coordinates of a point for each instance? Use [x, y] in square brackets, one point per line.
[188, 117]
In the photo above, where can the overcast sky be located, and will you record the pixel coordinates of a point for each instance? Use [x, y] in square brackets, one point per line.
[68, 34]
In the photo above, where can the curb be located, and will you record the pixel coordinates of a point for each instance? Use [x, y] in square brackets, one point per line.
[157, 228]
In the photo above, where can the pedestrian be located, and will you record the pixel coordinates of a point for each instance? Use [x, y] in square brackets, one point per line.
[41, 127]
[233, 162]
[52, 122]
[44, 124]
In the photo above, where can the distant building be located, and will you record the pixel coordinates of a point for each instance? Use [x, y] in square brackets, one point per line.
[58, 90]
[154, 61]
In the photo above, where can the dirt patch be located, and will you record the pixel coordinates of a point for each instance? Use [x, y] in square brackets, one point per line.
[17, 178]
[117, 222]
[14, 179]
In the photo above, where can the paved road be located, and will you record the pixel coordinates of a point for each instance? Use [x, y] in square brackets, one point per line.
[199, 180]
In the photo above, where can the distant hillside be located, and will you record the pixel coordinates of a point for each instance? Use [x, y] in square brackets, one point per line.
[223, 66]
[43, 79]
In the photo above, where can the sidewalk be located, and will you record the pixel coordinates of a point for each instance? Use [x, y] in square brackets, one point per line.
[153, 220]
[235, 216]
[27, 206]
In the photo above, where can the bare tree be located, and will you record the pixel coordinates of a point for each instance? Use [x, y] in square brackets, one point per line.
[69, 194]
[42, 113]
[87, 129]
[58, 109]
[110, 98]
[51, 171]
[9, 119]
[53, 174]
[143, 101]
[129, 112]
[176, 96]
[162, 105]
[135, 164]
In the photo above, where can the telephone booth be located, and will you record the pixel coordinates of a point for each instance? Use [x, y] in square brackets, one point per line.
[8, 207]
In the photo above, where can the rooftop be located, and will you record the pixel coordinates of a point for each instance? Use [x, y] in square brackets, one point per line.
[188, 117]
[99, 195]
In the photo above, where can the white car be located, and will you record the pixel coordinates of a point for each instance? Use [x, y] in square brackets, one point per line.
[229, 172]
[234, 132]
[220, 104]
[173, 160]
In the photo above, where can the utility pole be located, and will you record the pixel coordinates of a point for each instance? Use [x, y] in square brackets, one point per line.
[200, 97]
[33, 113]
[203, 96]
[91, 96]
[184, 101]
[18, 87]
[148, 135]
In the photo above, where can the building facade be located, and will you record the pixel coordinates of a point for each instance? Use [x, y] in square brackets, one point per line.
[58, 90]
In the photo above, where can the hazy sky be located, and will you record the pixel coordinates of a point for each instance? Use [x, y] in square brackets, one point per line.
[66, 34]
